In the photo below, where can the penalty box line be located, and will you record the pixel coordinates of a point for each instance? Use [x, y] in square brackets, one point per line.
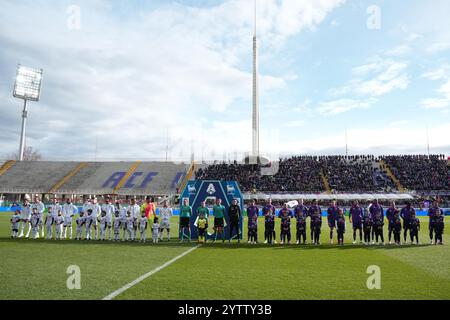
[149, 274]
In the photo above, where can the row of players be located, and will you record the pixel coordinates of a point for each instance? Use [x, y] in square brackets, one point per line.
[369, 221]
[97, 220]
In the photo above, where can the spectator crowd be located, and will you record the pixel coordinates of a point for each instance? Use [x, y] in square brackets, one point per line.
[420, 172]
[359, 173]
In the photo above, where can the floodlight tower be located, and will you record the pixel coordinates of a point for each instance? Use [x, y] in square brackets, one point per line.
[27, 87]
[255, 115]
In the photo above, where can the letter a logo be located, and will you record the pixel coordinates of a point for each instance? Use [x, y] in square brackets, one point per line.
[374, 281]
[211, 190]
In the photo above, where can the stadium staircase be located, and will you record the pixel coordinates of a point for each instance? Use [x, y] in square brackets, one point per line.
[389, 173]
[325, 181]
[68, 177]
[127, 176]
[187, 177]
[6, 166]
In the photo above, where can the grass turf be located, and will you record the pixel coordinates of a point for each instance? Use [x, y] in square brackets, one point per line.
[36, 269]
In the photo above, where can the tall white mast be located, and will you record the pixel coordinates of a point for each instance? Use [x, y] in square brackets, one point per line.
[255, 116]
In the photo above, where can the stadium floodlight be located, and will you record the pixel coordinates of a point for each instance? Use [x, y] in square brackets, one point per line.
[27, 87]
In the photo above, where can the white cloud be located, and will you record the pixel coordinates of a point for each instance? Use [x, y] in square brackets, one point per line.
[336, 107]
[442, 101]
[399, 123]
[435, 103]
[399, 51]
[390, 140]
[438, 47]
[295, 124]
[369, 82]
[376, 78]
[438, 74]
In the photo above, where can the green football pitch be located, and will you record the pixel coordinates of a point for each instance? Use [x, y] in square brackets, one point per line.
[37, 269]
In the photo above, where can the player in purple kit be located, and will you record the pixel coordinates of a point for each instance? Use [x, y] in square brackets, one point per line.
[315, 211]
[253, 230]
[252, 212]
[406, 214]
[390, 213]
[285, 215]
[356, 219]
[376, 210]
[439, 227]
[270, 227]
[269, 207]
[396, 227]
[332, 214]
[316, 222]
[432, 213]
[378, 223]
[300, 213]
[367, 227]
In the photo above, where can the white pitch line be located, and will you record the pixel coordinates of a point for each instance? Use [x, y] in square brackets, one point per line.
[145, 276]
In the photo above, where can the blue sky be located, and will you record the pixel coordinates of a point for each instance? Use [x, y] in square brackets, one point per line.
[138, 73]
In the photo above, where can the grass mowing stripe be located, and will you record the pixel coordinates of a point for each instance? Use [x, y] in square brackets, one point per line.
[145, 276]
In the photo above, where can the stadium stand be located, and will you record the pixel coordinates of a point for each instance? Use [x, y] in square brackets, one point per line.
[36, 177]
[122, 178]
[354, 174]
[420, 172]
[297, 174]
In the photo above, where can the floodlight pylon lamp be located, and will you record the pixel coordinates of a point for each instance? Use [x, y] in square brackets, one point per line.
[27, 87]
[28, 83]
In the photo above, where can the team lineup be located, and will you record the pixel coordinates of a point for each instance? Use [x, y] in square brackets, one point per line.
[128, 221]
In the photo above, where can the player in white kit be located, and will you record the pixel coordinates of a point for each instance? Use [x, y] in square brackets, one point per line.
[130, 227]
[56, 207]
[123, 220]
[117, 223]
[88, 224]
[143, 222]
[40, 208]
[86, 206]
[25, 218]
[49, 223]
[69, 211]
[34, 222]
[165, 213]
[59, 221]
[109, 208]
[80, 221]
[15, 220]
[136, 215]
[155, 230]
[103, 222]
[96, 212]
